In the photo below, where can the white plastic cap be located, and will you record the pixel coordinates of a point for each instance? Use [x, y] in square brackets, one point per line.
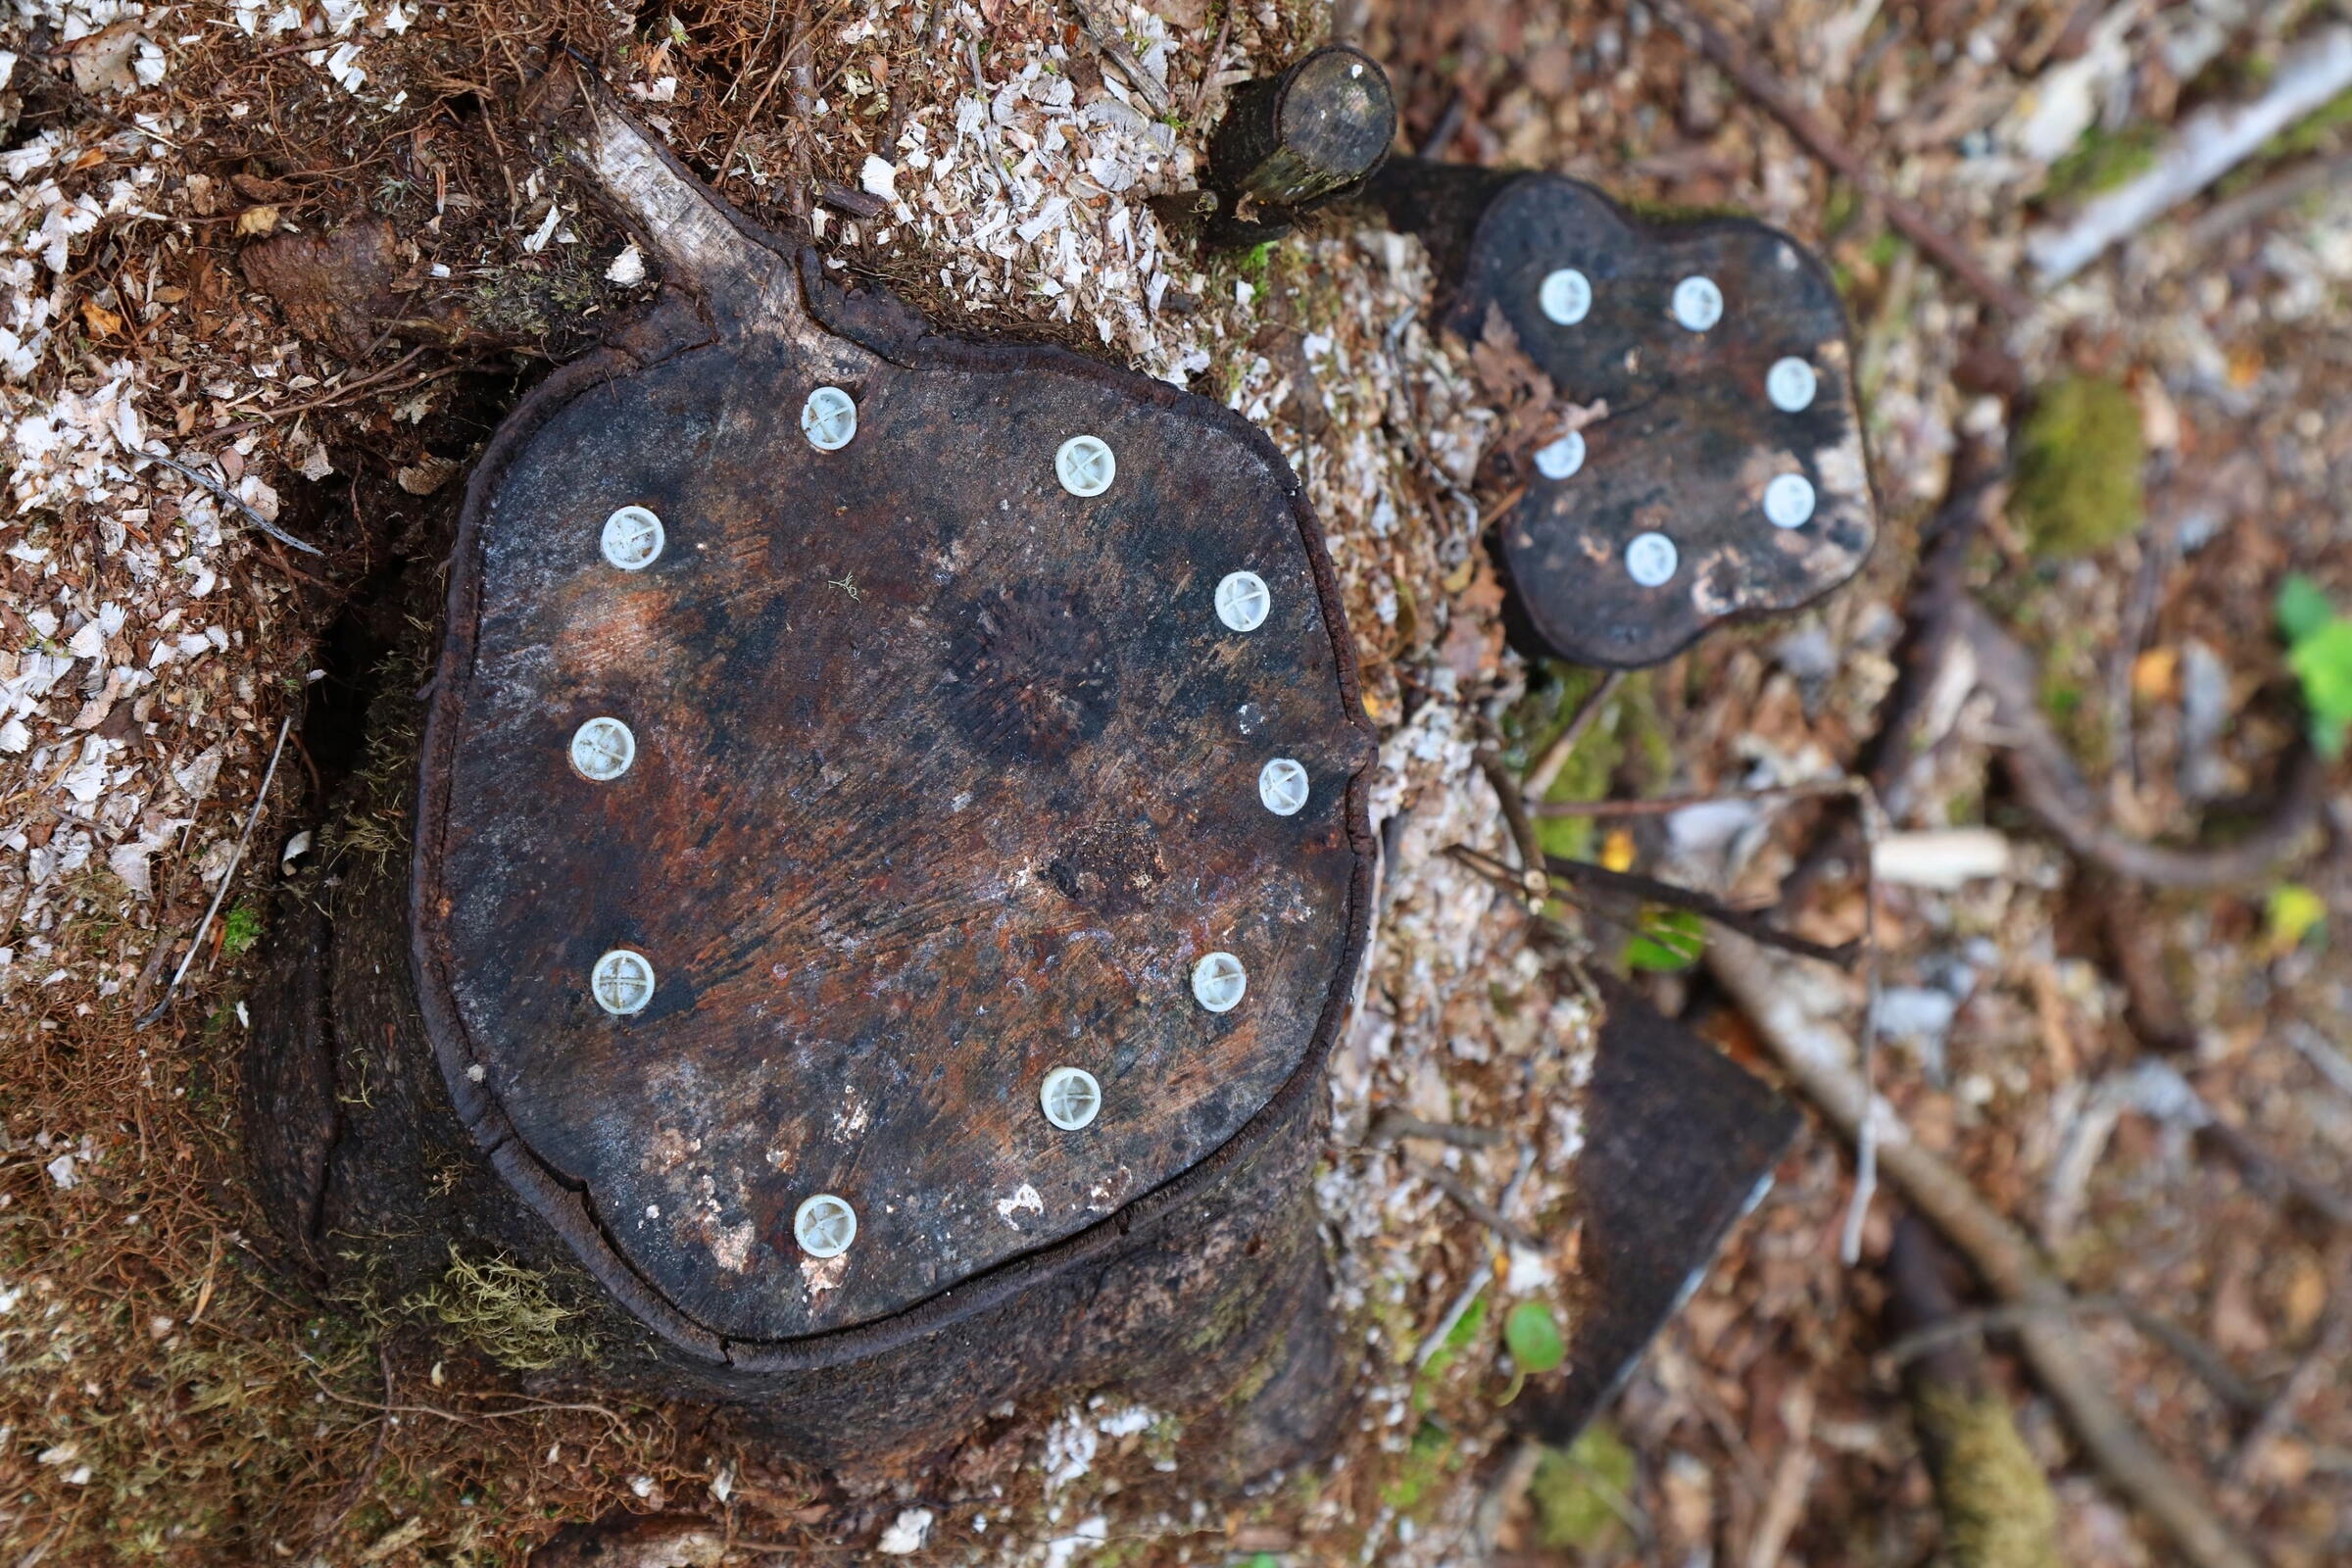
[1086, 465]
[1789, 501]
[1071, 1097]
[603, 749]
[1561, 459]
[622, 982]
[1282, 786]
[1243, 600]
[829, 418]
[1697, 303]
[632, 538]
[1218, 982]
[1650, 560]
[824, 1225]
[1565, 296]
[1790, 385]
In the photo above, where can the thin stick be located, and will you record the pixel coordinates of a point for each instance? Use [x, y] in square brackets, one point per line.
[727, 163]
[2211, 1370]
[228, 877]
[1866, 1050]
[1816, 1055]
[1514, 814]
[1103, 31]
[1546, 771]
[2049, 786]
[233, 498]
[1652, 891]
[1477, 1208]
[1217, 53]
[1760, 84]
[1668, 805]
[1390, 1125]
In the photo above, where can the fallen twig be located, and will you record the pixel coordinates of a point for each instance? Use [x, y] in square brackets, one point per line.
[1477, 1208]
[1393, 1124]
[1939, 586]
[1546, 771]
[2200, 150]
[1649, 890]
[1479, 1277]
[2048, 785]
[1758, 82]
[792, 48]
[1817, 1056]
[1103, 31]
[228, 877]
[1668, 805]
[233, 498]
[1514, 816]
[2241, 212]
[2192, 1353]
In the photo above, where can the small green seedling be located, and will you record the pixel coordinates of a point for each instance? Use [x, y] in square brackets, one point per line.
[1532, 1334]
[2319, 650]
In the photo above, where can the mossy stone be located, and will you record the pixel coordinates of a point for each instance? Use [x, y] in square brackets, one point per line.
[2079, 460]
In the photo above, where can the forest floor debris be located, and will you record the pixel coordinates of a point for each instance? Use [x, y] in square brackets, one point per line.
[164, 1397]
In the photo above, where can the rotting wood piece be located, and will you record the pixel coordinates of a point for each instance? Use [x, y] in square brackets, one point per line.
[1680, 1143]
[945, 766]
[1715, 466]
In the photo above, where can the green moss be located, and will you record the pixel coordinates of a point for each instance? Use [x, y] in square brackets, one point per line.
[1421, 1474]
[240, 928]
[1580, 1492]
[1628, 726]
[1998, 1511]
[2101, 161]
[506, 1309]
[2079, 460]
[2314, 131]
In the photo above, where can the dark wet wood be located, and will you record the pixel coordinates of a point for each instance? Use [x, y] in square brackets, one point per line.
[1292, 140]
[1680, 1143]
[945, 777]
[1682, 439]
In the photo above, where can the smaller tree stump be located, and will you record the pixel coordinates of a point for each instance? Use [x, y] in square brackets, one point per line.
[1713, 465]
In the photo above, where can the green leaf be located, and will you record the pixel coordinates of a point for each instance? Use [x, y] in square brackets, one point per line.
[2322, 662]
[1670, 939]
[2303, 609]
[2290, 914]
[1533, 1335]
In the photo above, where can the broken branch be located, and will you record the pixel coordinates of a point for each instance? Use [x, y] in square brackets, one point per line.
[1817, 1056]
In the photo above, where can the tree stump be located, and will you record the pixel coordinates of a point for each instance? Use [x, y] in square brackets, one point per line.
[1713, 466]
[890, 858]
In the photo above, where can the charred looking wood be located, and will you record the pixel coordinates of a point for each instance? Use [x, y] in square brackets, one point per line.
[1296, 141]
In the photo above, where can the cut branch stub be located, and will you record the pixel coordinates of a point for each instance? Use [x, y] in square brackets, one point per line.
[1292, 140]
[946, 774]
[1707, 462]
